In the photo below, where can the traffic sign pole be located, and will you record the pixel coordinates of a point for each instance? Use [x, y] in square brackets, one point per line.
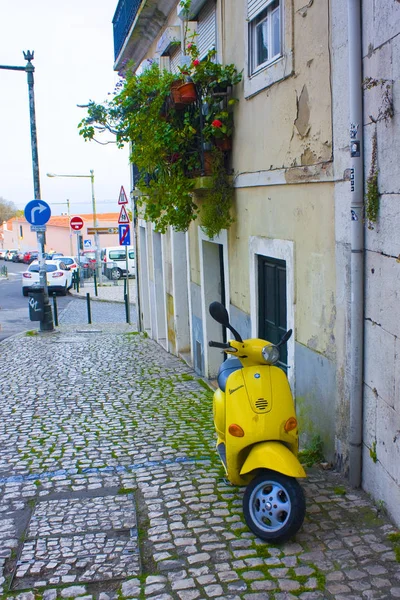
[37, 213]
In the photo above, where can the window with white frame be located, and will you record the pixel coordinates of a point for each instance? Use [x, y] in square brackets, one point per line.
[265, 36]
[269, 48]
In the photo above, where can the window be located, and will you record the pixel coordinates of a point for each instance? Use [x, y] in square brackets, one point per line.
[265, 36]
[269, 44]
[117, 254]
[206, 28]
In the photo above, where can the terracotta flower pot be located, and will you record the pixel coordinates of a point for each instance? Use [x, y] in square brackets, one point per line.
[224, 144]
[208, 159]
[188, 92]
[176, 98]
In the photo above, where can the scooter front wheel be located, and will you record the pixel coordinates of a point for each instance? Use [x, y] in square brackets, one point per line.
[274, 506]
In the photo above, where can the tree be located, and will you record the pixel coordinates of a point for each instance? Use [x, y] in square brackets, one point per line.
[8, 210]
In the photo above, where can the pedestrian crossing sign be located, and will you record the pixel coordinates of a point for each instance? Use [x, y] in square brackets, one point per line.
[122, 196]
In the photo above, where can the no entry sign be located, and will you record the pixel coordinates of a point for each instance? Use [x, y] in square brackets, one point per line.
[76, 223]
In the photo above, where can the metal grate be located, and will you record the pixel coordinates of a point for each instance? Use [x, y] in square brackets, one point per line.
[261, 404]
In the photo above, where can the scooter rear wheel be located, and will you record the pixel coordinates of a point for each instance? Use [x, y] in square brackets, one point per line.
[274, 506]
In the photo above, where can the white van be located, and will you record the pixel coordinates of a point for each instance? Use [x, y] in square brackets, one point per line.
[114, 261]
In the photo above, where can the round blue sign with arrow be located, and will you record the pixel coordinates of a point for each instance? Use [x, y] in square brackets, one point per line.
[37, 212]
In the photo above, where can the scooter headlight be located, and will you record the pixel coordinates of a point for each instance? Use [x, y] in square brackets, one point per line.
[270, 354]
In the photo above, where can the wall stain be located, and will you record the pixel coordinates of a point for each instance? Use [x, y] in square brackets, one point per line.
[308, 157]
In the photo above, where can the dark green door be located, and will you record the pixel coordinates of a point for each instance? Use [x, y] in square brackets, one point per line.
[272, 303]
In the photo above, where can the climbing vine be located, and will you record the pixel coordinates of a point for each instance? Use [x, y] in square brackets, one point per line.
[372, 191]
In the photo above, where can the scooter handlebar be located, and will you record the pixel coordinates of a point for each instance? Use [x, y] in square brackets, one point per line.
[220, 345]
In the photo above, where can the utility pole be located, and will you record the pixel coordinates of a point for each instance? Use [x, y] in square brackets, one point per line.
[46, 324]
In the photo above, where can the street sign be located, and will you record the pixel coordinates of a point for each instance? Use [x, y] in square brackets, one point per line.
[93, 230]
[38, 228]
[37, 212]
[122, 196]
[123, 216]
[87, 243]
[76, 223]
[124, 235]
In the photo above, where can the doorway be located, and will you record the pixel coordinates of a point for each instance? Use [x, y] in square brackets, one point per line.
[272, 303]
[215, 287]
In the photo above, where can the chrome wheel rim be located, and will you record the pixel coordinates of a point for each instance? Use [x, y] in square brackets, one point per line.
[270, 506]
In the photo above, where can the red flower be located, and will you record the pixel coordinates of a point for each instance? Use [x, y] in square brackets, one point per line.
[196, 62]
[189, 46]
[217, 123]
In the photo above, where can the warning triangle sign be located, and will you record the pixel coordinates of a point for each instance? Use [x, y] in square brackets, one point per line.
[122, 197]
[123, 216]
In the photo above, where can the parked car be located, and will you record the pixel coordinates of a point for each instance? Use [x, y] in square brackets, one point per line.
[115, 258]
[56, 256]
[30, 256]
[59, 277]
[86, 262]
[18, 256]
[9, 254]
[3, 253]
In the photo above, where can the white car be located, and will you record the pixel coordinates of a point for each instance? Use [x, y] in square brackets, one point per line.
[59, 277]
[69, 261]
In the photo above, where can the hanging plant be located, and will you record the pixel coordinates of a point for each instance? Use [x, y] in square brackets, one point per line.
[216, 210]
[372, 191]
[167, 139]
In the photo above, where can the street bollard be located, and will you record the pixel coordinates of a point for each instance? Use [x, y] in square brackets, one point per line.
[89, 313]
[55, 309]
[127, 316]
[95, 282]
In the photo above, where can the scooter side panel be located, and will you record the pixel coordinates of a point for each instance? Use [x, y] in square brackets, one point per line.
[219, 413]
[275, 456]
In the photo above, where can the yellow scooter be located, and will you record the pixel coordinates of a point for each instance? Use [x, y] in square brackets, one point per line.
[257, 434]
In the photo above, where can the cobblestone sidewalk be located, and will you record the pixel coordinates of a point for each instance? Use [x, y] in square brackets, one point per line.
[110, 488]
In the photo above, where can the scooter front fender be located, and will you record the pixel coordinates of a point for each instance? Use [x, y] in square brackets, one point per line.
[275, 456]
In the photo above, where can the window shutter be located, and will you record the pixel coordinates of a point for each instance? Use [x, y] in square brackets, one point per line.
[175, 59]
[206, 38]
[255, 6]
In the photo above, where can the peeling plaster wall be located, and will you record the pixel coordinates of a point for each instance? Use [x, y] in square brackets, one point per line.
[290, 122]
[381, 392]
[288, 127]
[304, 214]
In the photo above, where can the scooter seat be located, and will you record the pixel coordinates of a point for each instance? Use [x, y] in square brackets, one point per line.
[227, 367]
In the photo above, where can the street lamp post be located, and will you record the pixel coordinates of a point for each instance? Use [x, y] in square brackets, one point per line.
[46, 324]
[95, 225]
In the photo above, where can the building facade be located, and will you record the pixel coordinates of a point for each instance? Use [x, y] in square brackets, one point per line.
[286, 262]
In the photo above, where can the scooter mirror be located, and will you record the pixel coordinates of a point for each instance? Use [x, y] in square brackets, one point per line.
[285, 338]
[219, 313]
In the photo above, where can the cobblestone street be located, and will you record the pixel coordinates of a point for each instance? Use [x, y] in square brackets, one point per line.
[110, 486]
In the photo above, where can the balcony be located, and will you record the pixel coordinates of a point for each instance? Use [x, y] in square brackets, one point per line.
[136, 24]
[123, 18]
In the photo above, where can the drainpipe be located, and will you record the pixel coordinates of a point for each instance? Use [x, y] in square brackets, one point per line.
[357, 242]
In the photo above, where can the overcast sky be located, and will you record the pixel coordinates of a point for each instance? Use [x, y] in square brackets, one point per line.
[73, 45]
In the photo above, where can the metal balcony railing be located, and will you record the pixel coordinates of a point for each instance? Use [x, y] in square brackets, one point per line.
[123, 18]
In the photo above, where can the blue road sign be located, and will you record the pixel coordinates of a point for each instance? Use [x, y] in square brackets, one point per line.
[87, 243]
[124, 234]
[37, 212]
